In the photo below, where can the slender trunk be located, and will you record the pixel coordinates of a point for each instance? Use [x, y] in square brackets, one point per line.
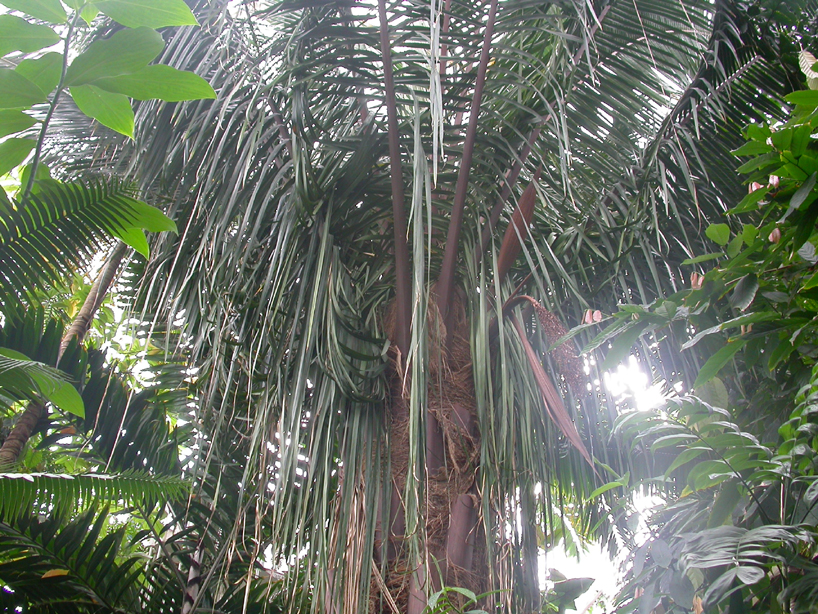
[403, 285]
[20, 434]
[446, 280]
[194, 579]
[26, 423]
[82, 322]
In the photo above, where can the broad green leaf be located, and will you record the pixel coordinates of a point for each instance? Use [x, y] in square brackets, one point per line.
[811, 282]
[622, 482]
[18, 92]
[724, 504]
[714, 392]
[125, 52]
[718, 233]
[805, 98]
[782, 139]
[111, 110]
[160, 82]
[750, 202]
[749, 233]
[13, 152]
[685, 457]
[151, 218]
[89, 13]
[16, 34]
[135, 237]
[800, 196]
[757, 132]
[14, 121]
[149, 13]
[744, 292]
[44, 72]
[704, 258]
[749, 318]
[751, 575]
[752, 148]
[660, 552]
[759, 162]
[66, 397]
[622, 345]
[47, 10]
[801, 138]
[718, 360]
[734, 247]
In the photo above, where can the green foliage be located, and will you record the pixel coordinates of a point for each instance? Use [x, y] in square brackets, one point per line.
[454, 600]
[81, 564]
[91, 78]
[22, 492]
[738, 458]
[21, 376]
[60, 228]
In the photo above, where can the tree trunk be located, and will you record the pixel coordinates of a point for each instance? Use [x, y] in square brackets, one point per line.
[21, 433]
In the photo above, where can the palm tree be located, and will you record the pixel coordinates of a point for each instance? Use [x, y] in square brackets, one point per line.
[376, 405]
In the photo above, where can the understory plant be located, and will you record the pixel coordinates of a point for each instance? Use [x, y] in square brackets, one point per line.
[735, 454]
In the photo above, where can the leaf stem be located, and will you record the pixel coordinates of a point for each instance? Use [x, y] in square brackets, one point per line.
[447, 270]
[54, 102]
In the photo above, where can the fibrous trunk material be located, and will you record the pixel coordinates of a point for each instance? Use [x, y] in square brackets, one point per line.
[454, 551]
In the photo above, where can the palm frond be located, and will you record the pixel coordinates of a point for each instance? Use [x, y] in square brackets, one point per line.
[56, 232]
[283, 273]
[26, 491]
[79, 566]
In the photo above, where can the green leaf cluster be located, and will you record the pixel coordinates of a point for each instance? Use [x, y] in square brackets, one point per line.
[102, 79]
[737, 457]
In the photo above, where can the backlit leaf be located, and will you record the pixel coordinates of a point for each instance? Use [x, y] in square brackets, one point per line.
[16, 34]
[125, 52]
[160, 82]
[14, 121]
[13, 152]
[18, 92]
[47, 10]
[718, 233]
[717, 361]
[111, 110]
[150, 13]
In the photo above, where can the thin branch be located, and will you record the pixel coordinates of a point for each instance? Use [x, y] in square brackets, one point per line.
[38, 151]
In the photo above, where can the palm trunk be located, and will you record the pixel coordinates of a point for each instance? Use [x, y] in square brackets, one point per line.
[26, 423]
[194, 580]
